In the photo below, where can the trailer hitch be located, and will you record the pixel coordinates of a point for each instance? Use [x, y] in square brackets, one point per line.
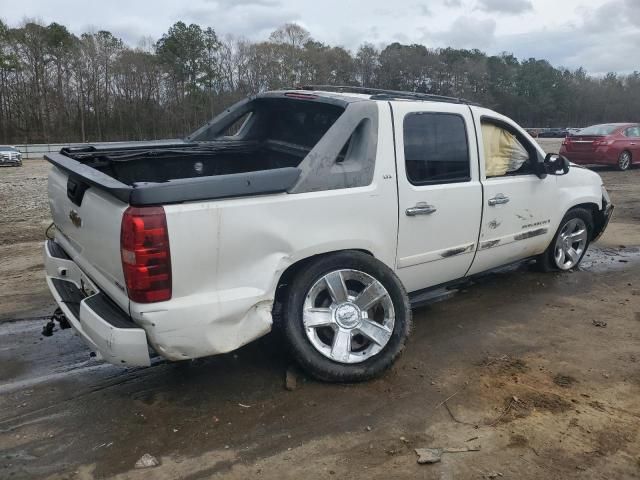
[58, 316]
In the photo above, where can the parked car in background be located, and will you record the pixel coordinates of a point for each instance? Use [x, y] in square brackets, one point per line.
[553, 133]
[615, 144]
[573, 131]
[533, 132]
[10, 157]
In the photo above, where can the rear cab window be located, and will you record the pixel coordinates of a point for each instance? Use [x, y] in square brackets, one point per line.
[294, 122]
[436, 148]
[331, 141]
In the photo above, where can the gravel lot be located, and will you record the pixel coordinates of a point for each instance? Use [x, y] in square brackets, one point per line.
[25, 216]
[513, 364]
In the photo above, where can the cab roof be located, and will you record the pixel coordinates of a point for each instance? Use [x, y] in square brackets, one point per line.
[366, 93]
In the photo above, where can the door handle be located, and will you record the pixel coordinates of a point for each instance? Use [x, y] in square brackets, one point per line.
[420, 209]
[499, 199]
[632, 143]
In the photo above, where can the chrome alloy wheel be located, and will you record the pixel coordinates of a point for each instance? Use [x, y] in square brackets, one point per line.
[570, 244]
[348, 316]
[624, 161]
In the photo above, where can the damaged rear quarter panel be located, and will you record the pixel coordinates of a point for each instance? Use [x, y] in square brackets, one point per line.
[227, 257]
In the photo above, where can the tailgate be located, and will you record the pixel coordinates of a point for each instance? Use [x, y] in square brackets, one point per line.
[88, 223]
[581, 144]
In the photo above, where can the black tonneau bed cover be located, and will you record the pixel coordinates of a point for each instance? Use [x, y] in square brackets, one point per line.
[179, 190]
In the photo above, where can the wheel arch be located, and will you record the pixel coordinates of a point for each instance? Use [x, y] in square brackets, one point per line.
[292, 270]
[591, 209]
[598, 216]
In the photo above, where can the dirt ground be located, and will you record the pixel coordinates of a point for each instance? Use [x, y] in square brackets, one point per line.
[24, 216]
[513, 364]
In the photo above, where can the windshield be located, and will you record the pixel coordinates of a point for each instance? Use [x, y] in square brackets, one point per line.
[599, 130]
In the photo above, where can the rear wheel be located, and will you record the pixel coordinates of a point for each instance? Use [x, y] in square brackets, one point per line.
[570, 242]
[624, 161]
[347, 317]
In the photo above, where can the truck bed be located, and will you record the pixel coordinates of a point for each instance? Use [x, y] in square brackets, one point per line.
[183, 172]
[165, 163]
[252, 148]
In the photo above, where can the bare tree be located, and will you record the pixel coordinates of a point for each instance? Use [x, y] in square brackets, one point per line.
[55, 86]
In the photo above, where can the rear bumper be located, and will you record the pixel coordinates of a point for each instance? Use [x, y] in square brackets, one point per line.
[601, 156]
[192, 326]
[104, 326]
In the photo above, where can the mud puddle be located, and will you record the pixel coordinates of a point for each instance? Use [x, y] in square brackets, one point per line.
[603, 259]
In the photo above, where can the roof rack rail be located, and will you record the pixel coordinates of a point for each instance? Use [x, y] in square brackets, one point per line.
[383, 94]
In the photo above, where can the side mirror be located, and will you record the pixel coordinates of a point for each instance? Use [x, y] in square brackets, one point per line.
[555, 164]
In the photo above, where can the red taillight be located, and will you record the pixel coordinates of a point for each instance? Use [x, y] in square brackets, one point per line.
[604, 142]
[146, 259]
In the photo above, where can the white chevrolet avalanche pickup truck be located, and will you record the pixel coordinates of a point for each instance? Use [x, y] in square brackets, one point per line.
[328, 213]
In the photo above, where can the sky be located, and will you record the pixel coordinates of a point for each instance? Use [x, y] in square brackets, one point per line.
[599, 35]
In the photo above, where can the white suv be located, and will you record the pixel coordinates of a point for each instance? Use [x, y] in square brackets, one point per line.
[333, 212]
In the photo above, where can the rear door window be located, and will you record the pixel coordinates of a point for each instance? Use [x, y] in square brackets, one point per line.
[632, 132]
[436, 149]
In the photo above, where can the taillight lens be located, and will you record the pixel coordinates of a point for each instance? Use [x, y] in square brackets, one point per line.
[603, 142]
[146, 258]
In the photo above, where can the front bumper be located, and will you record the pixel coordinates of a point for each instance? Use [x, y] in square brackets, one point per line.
[10, 162]
[602, 219]
[103, 325]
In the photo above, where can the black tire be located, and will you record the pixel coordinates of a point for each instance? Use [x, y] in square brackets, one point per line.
[309, 358]
[624, 161]
[546, 262]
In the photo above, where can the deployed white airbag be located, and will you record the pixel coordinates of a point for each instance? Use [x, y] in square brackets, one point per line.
[503, 152]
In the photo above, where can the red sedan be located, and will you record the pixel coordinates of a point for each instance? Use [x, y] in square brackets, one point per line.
[609, 144]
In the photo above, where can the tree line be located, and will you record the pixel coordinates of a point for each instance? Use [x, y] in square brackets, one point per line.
[59, 87]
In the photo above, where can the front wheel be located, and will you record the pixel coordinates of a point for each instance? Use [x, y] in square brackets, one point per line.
[570, 242]
[624, 161]
[347, 317]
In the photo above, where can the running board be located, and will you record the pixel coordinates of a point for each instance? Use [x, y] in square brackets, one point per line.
[428, 297]
[445, 291]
